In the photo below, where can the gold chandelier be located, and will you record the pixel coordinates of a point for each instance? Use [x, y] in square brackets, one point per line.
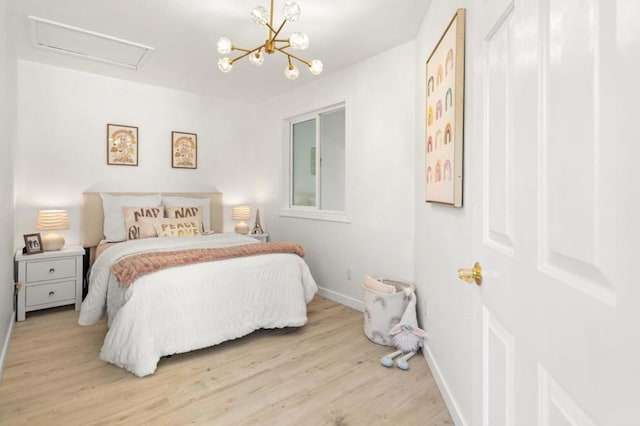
[296, 41]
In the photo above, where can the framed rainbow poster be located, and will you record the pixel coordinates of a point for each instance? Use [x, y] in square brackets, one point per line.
[445, 116]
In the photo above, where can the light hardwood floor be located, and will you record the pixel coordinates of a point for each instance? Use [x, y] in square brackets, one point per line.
[325, 373]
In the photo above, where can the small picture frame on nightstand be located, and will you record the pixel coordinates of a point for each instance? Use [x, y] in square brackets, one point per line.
[32, 244]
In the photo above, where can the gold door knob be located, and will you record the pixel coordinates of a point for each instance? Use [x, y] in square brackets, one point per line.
[471, 275]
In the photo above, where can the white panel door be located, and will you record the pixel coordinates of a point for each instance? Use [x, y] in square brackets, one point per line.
[557, 234]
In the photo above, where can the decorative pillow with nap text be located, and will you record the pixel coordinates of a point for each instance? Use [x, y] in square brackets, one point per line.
[185, 212]
[114, 224]
[132, 216]
[202, 203]
[178, 228]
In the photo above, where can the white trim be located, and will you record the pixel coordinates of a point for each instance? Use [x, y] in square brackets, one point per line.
[5, 346]
[341, 298]
[329, 216]
[449, 400]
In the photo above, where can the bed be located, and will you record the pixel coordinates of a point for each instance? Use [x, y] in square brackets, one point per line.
[187, 306]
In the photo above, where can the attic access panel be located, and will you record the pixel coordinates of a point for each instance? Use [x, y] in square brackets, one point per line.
[69, 40]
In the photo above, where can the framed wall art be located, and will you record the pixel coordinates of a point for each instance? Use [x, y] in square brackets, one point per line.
[445, 116]
[122, 145]
[184, 150]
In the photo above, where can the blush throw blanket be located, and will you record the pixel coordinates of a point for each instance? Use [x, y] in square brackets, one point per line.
[128, 269]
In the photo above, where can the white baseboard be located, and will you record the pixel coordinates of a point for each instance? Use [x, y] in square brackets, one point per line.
[449, 401]
[341, 298]
[5, 345]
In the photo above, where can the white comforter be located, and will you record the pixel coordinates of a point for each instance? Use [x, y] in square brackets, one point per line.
[191, 307]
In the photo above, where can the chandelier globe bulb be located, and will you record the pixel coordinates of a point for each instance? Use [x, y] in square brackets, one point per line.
[291, 11]
[316, 67]
[292, 72]
[260, 15]
[256, 59]
[224, 46]
[299, 41]
[225, 64]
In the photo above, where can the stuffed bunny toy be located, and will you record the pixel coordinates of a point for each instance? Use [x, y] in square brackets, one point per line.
[407, 338]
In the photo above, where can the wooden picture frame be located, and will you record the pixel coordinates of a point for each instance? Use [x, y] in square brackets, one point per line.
[33, 244]
[445, 116]
[122, 145]
[184, 150]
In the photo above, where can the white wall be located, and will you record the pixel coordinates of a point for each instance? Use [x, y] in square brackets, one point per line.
[380, 95]
[61, 145]
[442, 238]
[7, 129]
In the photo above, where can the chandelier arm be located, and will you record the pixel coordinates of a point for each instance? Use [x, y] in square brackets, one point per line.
[241, 49]
[279, 29]
[283, 41]
[247, 52]
[271, 30]
[281, 49]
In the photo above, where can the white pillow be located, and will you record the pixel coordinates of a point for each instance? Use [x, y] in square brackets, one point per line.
[114, 228]
[192, 202]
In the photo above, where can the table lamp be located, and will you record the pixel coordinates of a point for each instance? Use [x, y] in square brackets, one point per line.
[241, 213]
[52, 220]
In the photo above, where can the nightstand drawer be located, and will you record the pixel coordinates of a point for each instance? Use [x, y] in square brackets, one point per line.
[51, 270]
[50, 293]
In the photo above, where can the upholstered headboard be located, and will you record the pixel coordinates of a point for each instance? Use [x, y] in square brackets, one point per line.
[92, 219]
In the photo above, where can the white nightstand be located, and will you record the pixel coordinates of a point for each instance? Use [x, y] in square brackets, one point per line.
[48, 279]
[263, 238]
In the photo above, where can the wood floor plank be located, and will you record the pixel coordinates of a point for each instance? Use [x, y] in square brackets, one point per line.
[325, 373]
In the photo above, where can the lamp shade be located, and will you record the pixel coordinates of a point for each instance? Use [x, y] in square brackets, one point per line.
[52, 220]
[241, 213]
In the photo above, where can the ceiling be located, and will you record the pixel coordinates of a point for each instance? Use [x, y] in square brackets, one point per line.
[184, 34]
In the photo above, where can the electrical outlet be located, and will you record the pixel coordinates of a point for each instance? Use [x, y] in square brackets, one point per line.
[349, 273]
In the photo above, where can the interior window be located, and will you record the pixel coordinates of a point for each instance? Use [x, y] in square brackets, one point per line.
[317, 153]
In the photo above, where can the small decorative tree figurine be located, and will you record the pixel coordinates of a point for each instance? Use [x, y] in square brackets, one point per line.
[257, 228]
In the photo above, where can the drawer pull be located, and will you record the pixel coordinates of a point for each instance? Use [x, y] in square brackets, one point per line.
[52, 270]
[51, 293]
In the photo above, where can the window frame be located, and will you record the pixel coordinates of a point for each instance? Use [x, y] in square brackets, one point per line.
[314, 212]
